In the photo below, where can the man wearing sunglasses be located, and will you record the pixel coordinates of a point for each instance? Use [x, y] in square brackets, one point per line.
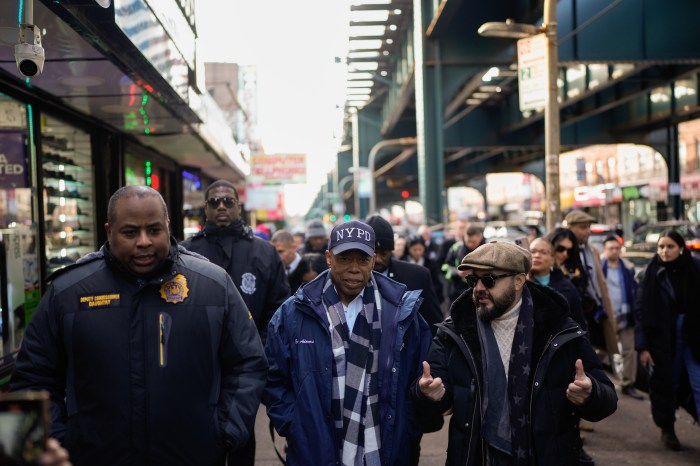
[253, 264]
[513, 368]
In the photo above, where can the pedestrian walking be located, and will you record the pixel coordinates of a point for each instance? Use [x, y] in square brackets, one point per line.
[343, 352]
[252, 263]
[622, 288]
[146, 349]
[513, 368]
[667, 333]
[597, 307]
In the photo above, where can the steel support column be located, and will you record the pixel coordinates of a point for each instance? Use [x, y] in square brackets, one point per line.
[429, 121]
[674, 172]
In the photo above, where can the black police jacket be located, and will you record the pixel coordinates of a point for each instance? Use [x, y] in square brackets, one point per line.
[254, 266]
[165, 371]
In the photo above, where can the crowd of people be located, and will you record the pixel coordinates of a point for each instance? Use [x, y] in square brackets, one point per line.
[159, 353]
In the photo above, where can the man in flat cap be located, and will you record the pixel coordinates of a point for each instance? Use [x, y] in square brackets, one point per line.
[343, 353]
[515, 370]
[597, 306]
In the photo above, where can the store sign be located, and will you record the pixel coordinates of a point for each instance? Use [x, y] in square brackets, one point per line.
[278, 168]
[263, 197]
[13, 166]
[173, 20]
[532, 72]
[140, 25]
[688, 188]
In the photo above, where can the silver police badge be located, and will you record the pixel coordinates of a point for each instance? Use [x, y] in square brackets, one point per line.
[248, 283]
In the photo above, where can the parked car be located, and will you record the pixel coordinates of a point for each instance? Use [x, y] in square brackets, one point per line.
[641, 247]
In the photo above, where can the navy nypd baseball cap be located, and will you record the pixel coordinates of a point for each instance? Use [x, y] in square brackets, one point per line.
[352, 235]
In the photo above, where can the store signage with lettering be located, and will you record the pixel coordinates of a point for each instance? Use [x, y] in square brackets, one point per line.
[13, 169]
[278, 168]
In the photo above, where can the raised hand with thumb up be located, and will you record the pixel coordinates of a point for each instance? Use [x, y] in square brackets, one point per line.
[581, 388]
[432, 388]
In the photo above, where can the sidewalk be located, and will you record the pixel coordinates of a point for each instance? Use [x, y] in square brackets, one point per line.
[628, 437]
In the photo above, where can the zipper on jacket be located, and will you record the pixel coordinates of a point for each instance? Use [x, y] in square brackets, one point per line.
[163, 336]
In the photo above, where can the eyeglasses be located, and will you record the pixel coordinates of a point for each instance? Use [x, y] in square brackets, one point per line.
[560, 248]
[214, 202]
[489, 281]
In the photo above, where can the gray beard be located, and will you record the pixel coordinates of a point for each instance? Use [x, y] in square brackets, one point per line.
[500, 305]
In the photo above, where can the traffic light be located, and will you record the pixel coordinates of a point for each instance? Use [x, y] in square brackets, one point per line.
[405, 194]
[347, 217]
[333, 218]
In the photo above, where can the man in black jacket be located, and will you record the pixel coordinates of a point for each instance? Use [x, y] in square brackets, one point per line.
[147, 350]
[253, 264]
[515, 370]
[413, 276]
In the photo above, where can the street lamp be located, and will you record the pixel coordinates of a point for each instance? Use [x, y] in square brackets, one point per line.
[512, 30]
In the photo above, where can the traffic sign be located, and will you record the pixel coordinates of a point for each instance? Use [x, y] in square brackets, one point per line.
[532, 72]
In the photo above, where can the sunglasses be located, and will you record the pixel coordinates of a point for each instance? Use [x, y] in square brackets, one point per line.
[489, 281]
[214, 202]
[560, 248]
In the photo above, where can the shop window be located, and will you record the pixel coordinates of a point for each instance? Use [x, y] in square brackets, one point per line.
[685, 93]
[19, 277]
[193, 208]
[612, 170]
[598, 74]
[682, 155]
[69, 193]
[660, 99]
[619, 70]
[575, 80]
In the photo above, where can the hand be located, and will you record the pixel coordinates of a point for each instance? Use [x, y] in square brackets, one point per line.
[55, 455]
[645, 359]
[432, 388]
[581, 388]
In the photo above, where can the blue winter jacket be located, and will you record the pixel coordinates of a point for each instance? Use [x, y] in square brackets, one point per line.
[299, 384]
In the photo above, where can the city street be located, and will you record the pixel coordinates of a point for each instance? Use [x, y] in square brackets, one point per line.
[628, 437]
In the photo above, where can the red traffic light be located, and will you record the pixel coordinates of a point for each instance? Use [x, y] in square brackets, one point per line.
[405, 194]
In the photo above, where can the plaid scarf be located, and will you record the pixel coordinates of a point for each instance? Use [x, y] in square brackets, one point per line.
[355, 403]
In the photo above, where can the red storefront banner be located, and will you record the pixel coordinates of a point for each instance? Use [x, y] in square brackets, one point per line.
[278, 168]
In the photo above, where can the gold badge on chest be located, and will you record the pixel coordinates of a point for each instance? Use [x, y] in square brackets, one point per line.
[175, 290]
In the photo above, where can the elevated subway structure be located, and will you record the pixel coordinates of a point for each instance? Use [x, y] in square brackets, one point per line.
[615, 60]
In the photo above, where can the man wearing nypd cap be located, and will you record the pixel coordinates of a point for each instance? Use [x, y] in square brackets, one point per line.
[343, 352]
[515, 370]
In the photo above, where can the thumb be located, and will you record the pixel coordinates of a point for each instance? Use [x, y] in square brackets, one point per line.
[426, 370]
[580, 374]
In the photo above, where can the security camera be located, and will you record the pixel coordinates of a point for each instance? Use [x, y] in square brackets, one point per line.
[29, 54]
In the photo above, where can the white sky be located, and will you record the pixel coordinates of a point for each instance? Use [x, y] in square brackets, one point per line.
[293, 44]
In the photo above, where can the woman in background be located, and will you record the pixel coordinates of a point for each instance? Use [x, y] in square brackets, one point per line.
[667, 332]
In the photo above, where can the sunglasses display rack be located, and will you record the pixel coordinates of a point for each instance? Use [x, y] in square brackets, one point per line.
[68, 189]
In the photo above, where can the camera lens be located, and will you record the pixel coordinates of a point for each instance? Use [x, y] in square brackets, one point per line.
[28, 68]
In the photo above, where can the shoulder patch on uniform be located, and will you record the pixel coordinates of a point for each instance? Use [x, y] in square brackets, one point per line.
[248, 283]
[175, 290]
